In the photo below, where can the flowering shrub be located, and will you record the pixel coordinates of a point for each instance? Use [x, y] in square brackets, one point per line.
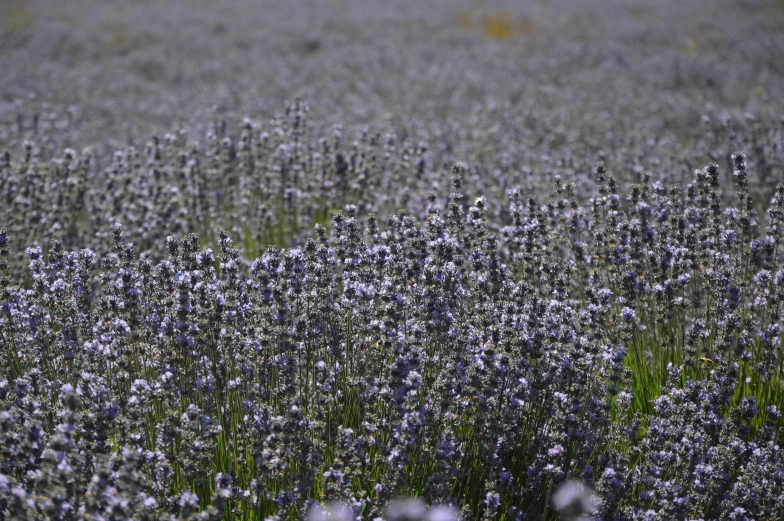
[473, 285]
[632, 342]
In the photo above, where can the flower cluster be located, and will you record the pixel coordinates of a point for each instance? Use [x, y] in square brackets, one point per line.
[625, 342]
[486, 275]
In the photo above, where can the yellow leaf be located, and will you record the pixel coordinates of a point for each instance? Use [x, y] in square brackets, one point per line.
[498, 26]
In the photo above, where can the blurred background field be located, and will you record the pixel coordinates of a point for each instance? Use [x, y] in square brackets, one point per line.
[131, 69]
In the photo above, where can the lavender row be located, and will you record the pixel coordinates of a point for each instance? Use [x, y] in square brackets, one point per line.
[621, 334]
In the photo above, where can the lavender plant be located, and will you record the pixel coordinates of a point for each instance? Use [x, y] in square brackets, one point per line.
[633, 343]
[466, 284]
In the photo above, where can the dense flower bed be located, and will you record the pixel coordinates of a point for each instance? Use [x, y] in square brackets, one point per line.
[514, 264]
[631, 341]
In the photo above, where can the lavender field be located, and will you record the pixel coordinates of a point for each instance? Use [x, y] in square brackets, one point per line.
[395, 260]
